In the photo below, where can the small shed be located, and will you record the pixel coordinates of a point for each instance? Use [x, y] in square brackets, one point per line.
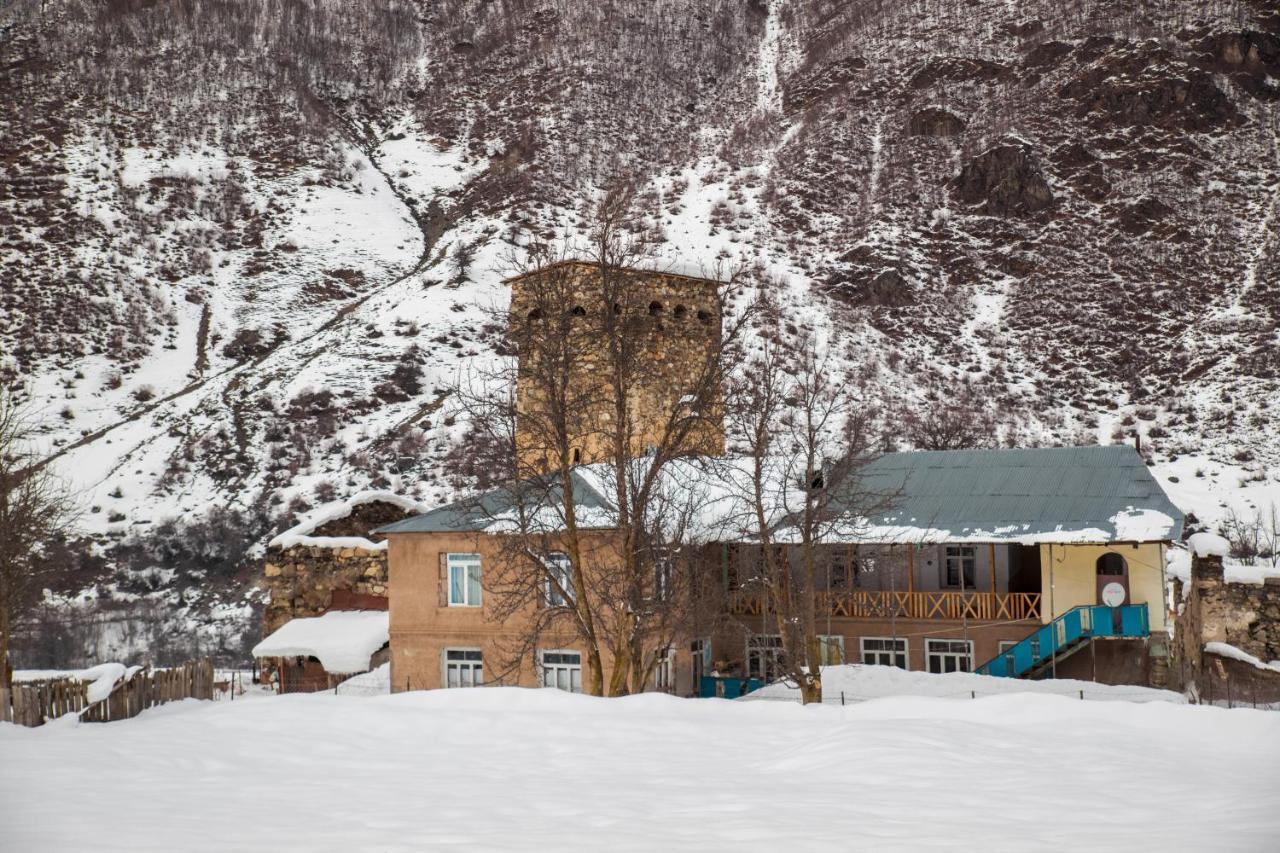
[317, 652]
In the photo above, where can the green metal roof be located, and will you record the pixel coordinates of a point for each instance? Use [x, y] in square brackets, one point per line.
[481, 513]
[1077, 494]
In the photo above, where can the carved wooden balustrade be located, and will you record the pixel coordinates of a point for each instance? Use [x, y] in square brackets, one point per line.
[869, 604]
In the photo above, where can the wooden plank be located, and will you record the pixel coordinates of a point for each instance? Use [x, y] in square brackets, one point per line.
[991, 553]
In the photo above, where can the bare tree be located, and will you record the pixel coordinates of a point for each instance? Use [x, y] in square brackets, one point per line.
[35, 506]
[954, 417]
[621, 581]
[809, 431]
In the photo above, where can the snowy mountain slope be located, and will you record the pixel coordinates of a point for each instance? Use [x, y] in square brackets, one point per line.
[252, 245]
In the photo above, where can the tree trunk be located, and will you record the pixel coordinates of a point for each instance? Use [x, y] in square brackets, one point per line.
[811, 690]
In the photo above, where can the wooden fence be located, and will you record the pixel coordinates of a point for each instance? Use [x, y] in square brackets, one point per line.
[34, 702]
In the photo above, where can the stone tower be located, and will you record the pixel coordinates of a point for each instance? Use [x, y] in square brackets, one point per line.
[670, 322]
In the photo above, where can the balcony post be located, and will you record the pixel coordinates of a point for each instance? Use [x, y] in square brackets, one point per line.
[991, 555]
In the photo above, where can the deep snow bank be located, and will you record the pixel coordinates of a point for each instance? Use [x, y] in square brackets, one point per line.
[510, 769]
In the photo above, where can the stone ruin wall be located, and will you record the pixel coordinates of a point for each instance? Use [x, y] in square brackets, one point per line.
[1243, 615]
[302, 580]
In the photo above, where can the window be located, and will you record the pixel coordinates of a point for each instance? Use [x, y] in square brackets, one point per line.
[885, 651]
[1111, 565]
[680, 312]
[662, 569]
[463, 668]
[464, 580]
[562, 670]
[700, 650]
[559, 568]
[664, 674]
[1006, 645]
[949, 655]
[960, 558]
[832, 649]
[764, 656]
[655, 309]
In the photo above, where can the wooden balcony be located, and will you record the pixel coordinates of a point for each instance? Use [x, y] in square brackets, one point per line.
[867, 604]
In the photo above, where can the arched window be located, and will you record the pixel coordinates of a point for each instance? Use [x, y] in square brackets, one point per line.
[1112, 565]
[578, 311]
[704, 316]
[680, 312]
[655, 309]
[577, 455]
[535, 314]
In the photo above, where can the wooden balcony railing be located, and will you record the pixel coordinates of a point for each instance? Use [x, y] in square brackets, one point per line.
[867, 604]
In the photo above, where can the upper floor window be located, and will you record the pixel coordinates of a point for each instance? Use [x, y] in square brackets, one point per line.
[959, 566]
[464, 580]
[558, 587]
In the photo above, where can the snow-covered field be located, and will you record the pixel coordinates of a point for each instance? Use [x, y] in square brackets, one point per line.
[513, 769]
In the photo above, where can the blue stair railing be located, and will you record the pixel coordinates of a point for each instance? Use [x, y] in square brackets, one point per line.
[1064, 634]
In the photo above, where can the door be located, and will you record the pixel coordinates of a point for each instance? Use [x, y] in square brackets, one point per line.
[1113, 589]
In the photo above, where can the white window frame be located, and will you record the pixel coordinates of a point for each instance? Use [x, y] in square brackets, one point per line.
[963, 554]
[942, 655]
[700, 652]
[560, 565]
[664, 672]
[465, 563]
[552, 670]
[829, 643]
[764, 654]
[663, 575]
[1005, 645]
[898, 649]
[470, 670]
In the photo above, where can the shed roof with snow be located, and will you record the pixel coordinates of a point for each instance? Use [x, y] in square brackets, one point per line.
[342, 640]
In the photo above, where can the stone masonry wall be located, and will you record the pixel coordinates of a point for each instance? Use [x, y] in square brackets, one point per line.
[679, 318]
[1243, 615]
[302, 580]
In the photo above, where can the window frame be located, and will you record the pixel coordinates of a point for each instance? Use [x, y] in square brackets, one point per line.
[826, 642]
[943, 656]
[550, 596]
[768, 655]
[965, 579]
[664, 671]
[893, 654]
[473, 666]
[465, 562]
[557, 666]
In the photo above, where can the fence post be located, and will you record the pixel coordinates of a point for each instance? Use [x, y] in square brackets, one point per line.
[1082, 695]
[842, 698]
[1228, 691]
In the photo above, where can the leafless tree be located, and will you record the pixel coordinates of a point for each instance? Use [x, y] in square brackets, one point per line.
[35, 506]
[953, 417]
[621, 582]
[1254, 539]
[809, 430]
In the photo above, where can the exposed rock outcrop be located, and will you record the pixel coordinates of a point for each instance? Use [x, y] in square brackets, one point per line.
[1004, 181]
[935, 121]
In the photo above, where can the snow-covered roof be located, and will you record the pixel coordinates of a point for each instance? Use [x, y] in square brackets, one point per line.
[1042, 495]
[300, 533]
[342, 640]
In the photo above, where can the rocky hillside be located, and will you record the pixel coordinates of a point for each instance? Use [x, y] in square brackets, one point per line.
[249, 245]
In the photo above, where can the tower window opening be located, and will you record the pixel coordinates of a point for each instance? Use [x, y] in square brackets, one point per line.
[535, 314]
[680, 312]
[704, 316]
[578, 311]
[655, 309]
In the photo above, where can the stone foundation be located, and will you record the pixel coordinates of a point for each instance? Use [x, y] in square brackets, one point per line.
[302, 581]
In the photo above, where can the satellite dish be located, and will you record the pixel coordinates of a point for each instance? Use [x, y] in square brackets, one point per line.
[1113, 594]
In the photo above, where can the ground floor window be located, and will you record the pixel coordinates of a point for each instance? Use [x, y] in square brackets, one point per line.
[664, 673]
[885, 651]
[764, 656]
[463, 668]
[562, 670]
[949, 655]
[700, 651]
[832, 649]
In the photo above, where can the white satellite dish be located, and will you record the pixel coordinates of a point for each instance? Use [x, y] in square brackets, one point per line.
[1113, 594]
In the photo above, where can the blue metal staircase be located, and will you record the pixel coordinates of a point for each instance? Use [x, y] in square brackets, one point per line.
[1066, 635]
